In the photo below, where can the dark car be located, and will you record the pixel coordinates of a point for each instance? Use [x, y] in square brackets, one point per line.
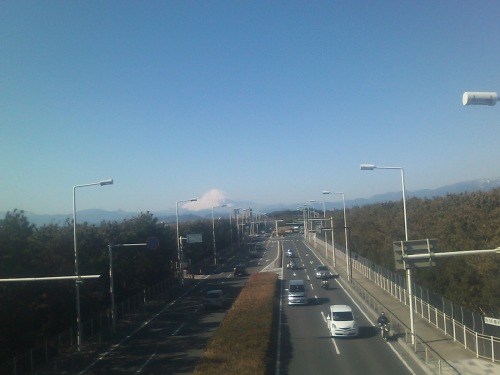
[240, 270]
[214, 298]
[322, 272]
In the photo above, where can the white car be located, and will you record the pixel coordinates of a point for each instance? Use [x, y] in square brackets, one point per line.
[341, 321]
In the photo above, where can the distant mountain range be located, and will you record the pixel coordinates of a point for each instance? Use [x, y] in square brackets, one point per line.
[96, 216]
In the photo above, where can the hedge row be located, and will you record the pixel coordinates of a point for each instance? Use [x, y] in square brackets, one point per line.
[242, 343]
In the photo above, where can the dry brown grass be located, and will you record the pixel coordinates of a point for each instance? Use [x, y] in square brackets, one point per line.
[241, 345]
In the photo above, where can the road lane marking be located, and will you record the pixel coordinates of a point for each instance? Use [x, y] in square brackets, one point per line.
[271, 264]
[178, 329]
[141, 326]
[146, 363]
[337, 350]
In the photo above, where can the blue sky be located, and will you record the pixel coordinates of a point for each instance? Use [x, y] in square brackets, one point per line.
[266, 101]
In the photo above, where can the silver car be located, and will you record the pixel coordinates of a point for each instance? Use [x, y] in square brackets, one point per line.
[322, 271]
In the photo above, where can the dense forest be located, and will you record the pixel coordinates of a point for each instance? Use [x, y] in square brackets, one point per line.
[31, 311]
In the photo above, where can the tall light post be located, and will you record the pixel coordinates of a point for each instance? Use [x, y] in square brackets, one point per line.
[75, 246]
[480, 98]
[276, 226]
[213, 232]
[371, 167]
[178, 239]
[347, 252]
[231, 228]
[314, 212]
[303, 209]
[236, 212]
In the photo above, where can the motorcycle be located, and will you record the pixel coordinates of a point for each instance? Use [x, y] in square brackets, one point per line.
[291, 265]
[324, 284]
[384, 330]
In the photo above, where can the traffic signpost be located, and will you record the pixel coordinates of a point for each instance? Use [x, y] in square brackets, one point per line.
[424, 248]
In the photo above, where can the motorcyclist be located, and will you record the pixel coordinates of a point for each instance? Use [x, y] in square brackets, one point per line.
[382, 319]
[324, 282]
[383, 325]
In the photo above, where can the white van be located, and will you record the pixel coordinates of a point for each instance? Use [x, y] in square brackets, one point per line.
[341, 321]
[297, 293]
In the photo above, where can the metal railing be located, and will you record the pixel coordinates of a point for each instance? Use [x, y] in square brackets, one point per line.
[465, 327]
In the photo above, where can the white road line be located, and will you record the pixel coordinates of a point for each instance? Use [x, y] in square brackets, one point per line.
[337, 350]
[178, 329]
[271, 264]
[144, 324]
[146, 363]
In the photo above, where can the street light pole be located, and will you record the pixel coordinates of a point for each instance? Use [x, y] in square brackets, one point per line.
[371, 167]
[236, 212]
[178, 240]
[231, 229]
[314, 212]
[75, 246]
[347, 251]
[276, 226]
[409, 281]
[213, 232]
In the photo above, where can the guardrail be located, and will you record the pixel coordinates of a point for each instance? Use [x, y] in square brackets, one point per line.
[483, 345]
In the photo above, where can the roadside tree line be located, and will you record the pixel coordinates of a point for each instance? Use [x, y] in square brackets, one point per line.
[32, 311]
[467, 221]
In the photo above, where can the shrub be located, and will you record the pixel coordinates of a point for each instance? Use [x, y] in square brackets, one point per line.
[242, 343]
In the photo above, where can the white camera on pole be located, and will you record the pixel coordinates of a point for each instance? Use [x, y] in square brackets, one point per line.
[480, 98]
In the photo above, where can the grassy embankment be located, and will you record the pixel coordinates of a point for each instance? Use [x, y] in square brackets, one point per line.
[242, 343]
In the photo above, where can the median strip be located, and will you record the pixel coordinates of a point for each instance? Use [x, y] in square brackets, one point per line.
[242, 343]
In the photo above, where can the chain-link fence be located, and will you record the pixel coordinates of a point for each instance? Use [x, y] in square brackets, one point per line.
[464, 326]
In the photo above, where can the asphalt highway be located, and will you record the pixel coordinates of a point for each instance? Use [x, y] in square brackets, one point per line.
[308, 348]
[172, 339]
